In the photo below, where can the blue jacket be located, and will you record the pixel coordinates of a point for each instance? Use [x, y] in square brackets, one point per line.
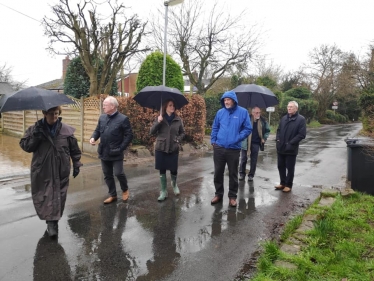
[231, 126]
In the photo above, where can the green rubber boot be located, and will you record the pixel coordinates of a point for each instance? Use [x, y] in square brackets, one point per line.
[163, 192]
[174, 184]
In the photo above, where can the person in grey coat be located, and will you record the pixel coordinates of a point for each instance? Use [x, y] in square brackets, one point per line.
[170, 132]
[115, 133]
[291, 130]
[53, 145]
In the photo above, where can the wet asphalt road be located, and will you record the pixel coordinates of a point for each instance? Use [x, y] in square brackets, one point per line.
[182, 238]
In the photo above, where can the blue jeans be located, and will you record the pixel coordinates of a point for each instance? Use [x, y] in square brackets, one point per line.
[221, 157]
[117, 166]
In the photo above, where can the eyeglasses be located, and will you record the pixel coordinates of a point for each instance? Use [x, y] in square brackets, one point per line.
[256, 112]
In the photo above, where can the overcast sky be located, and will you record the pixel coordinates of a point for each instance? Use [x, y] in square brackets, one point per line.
[292, 29]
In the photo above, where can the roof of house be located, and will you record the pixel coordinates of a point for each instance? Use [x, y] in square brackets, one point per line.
[5, 88]
[57, 84]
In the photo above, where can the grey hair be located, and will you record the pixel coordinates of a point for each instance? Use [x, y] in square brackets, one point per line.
[113, 101]
[295, 103]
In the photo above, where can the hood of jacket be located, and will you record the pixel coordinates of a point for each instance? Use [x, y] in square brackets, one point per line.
[231, 95]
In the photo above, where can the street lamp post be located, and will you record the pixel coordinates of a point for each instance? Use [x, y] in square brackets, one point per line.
[167, 4]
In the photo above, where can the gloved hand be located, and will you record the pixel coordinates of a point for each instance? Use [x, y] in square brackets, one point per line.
[75, 171]
[38, 130]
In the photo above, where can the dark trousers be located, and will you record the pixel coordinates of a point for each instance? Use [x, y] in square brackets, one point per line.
[255, 148]
[174, 173]
[221, 157]
[286, 168]
[108, 168]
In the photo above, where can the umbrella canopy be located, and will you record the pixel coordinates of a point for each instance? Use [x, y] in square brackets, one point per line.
[4, 98]
[153, 97]
[34, 99]
[251, 95]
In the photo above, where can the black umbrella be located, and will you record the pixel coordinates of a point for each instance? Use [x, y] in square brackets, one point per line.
[34, 99]
[251, 95]
[153, 96]
[4, 98]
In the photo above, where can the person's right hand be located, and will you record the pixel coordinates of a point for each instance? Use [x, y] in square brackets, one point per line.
[159, 119]
[75, 171]
[38, 130]
[92, 141]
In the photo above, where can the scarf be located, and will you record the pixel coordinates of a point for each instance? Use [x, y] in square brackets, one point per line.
[259, 130]
[169, 118]
[51, 128]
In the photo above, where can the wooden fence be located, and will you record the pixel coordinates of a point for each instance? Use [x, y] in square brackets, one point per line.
[83, 115]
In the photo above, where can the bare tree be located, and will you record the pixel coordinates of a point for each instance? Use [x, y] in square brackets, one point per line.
[326, 64]
[84, 31]
[208, 44]
[365, 71]
[6, 76]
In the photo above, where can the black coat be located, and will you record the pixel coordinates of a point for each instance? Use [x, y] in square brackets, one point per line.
[50, 167]
[115, 135]
[289, 134]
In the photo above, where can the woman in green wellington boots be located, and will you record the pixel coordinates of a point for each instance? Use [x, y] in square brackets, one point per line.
[168, 127]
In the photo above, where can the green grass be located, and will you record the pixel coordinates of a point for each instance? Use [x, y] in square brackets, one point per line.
[314, 124]
[341, 244]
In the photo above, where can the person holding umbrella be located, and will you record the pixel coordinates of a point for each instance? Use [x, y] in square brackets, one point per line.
[169, 129]
[254, 143]
[53, 145]
[230, 127]
[115, 133]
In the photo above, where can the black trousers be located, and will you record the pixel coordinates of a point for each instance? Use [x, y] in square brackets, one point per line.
[255, 148]
[108, 168]
[221, 157]
[286, 168]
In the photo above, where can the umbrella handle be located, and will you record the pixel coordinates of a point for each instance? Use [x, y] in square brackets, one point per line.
[161, 108]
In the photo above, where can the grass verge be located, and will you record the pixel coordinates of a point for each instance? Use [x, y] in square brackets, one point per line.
[340, 246]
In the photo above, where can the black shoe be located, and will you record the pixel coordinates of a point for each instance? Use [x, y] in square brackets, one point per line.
[250, 178]
[52, 228]
[241, 177]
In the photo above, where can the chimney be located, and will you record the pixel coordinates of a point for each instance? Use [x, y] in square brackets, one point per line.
[65, 64]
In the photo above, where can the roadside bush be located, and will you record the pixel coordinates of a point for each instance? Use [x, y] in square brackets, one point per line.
[368, 120]
[335, 116]
[212, 104]
[366, 101]
[307, 106]
[326, 121]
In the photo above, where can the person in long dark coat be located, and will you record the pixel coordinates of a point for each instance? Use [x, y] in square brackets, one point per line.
[52, 144]
[170, 132]
[291, 130]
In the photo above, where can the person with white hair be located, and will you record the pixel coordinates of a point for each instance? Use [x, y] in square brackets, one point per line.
[115, 133]
[253, 143]
[291, 130]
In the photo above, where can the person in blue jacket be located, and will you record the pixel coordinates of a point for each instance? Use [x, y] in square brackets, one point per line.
[230, 127]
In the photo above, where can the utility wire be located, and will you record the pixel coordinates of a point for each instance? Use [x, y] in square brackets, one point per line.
[20, 13]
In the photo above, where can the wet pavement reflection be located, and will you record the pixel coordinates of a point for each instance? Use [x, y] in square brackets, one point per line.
[182, 238]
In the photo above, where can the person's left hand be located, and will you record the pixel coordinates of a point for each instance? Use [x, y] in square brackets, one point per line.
[75, 171]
